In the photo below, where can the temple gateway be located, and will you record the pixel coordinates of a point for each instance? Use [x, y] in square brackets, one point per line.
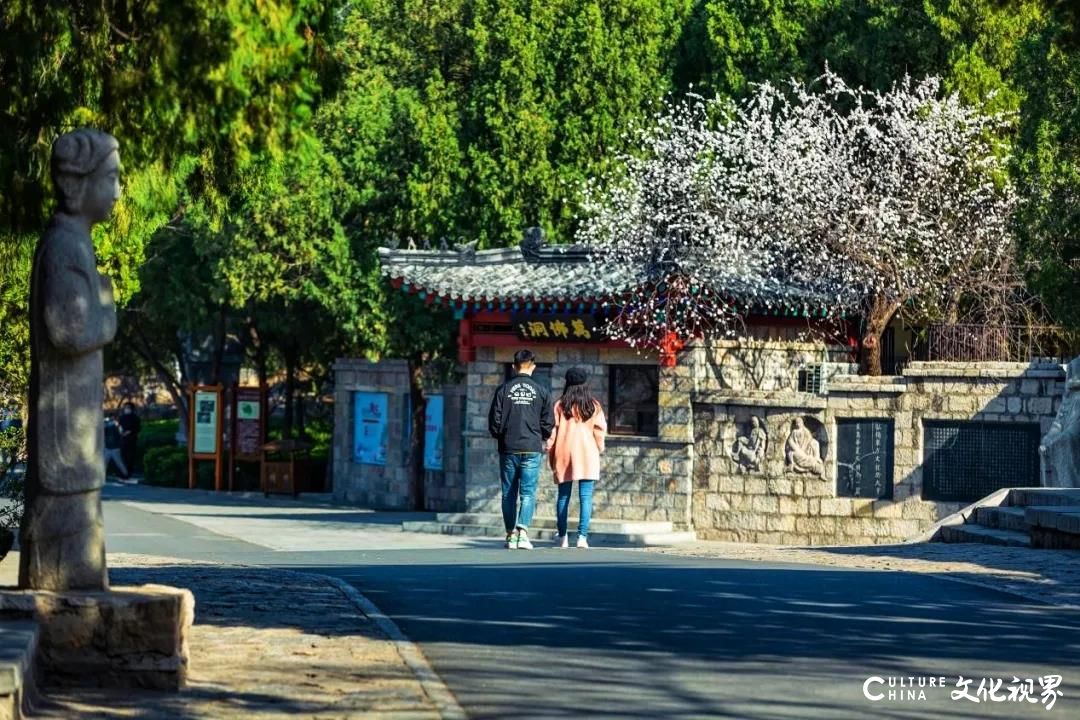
[770, 436]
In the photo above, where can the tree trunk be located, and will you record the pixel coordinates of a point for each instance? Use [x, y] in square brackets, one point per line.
[173, 385]
[880, 313]
[952, 308]
[416, 436]
[301, 421]
[219, 347]
[289, 354]
[260, 352]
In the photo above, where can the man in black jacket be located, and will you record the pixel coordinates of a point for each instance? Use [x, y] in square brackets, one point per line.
[521, 419]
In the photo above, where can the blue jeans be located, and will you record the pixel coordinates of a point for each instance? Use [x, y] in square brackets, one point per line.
[520, 472]
[562, 506]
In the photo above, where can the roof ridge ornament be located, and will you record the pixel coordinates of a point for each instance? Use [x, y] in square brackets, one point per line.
[532, 243]
[535, 250]
[467, 252]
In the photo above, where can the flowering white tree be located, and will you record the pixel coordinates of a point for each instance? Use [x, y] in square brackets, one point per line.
[825, 197]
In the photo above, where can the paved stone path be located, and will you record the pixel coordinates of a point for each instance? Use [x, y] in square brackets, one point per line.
[1050, 576]
[266, 644]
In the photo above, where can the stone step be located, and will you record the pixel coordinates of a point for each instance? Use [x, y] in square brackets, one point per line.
[1063, 518]
[987, 536]
[597, 524]
[548, 535]
[1023, 497]
[1003, 517]
[18, 646]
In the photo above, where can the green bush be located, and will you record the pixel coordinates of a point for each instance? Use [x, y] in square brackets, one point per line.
[317, 431]
[321, 434]
[154, 434]
[166, 466]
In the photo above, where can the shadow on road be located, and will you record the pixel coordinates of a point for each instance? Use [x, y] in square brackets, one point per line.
[552, 634]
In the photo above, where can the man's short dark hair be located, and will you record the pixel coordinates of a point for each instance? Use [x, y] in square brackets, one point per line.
[523, 356]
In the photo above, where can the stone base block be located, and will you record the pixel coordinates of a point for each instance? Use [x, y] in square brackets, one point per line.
[124, 637]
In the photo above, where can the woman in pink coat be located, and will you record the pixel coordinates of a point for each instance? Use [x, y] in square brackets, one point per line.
[574, 451]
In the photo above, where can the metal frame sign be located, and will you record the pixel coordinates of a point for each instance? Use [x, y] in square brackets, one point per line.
[249, 423]
[370, 427]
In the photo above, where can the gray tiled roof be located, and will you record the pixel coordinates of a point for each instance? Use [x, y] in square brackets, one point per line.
[503, 274]
[553, 272]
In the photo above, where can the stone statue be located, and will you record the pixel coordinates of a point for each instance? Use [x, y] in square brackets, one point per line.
[1060, 448]
[72, 317]
[749, 450]
[802, 451]
[532, 242]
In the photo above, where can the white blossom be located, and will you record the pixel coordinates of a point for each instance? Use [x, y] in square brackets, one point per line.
[819, 197]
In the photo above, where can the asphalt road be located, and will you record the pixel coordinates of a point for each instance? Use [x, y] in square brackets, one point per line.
[608, 633]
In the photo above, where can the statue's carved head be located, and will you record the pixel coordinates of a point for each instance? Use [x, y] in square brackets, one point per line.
[86, 173]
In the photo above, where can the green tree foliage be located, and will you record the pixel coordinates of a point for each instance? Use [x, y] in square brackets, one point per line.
[210, 79]
[971, 44]
[477, 118]
[1048, 162]
[272, 146]
[193, 89]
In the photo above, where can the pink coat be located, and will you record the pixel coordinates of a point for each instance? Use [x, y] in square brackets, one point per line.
[576, 445]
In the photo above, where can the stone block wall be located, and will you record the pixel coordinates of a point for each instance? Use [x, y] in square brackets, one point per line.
[769, 362]
[687, 474]
[774, 504]
[387, 486]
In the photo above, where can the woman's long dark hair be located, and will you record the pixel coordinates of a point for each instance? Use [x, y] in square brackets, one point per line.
[577, 397]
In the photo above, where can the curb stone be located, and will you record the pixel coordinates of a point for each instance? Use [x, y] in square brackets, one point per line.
[433, 685]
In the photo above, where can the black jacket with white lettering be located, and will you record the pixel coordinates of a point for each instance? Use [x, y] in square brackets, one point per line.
[521, 417]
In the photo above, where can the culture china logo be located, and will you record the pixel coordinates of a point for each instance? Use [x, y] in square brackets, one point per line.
[912, 689]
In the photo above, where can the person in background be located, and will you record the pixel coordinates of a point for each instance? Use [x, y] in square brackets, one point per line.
[520, 419]
[574, 451]
[113, 442]
[130, 425]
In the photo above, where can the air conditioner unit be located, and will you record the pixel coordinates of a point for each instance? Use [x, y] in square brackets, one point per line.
[812, 379]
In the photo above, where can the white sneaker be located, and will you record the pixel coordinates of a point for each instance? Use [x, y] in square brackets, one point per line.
[582, 542]
[511, 541]
[523, 540]
[563, 541]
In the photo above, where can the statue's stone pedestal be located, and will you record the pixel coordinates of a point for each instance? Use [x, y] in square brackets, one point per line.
[124, 637]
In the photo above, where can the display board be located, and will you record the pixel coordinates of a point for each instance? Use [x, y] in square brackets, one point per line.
[433, 433]
[370, 427]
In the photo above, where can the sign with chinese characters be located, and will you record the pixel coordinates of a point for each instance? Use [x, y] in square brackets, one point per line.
[864, 459]
[249, 422]
[206, 410]
[566, 327]
[433, 433]
[369, 428]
